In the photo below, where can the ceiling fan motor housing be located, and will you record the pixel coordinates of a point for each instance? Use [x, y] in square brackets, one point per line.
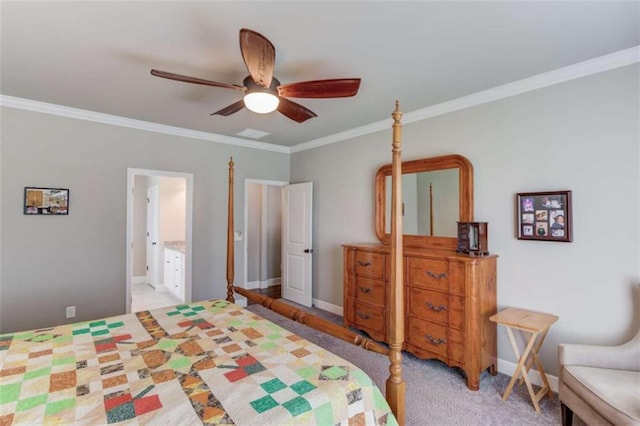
[253, 87]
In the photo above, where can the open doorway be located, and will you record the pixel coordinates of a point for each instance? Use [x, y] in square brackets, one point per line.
[159, 228]
[263, 236]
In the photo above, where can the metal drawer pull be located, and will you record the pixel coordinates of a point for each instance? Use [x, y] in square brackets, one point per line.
[434, 340]
[365, 290]
[436, 308]
[437, 276]
[363, 316]
[365, 264]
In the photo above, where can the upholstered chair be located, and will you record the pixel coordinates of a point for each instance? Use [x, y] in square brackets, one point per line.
[600, 384]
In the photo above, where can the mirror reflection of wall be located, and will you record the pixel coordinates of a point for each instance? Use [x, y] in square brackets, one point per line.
[410, 201]
[444, 202]
[473, 238]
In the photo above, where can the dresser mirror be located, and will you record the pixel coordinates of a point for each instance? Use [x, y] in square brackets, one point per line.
[437, 192]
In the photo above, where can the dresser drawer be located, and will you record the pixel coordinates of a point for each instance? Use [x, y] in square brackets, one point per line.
[447, 297]
[429, 273]
[368, 318]
[367, 290]
[438, 307]
[367, 264]
[438, 339]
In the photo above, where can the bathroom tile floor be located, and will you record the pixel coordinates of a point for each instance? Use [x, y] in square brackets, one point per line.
[145, 297]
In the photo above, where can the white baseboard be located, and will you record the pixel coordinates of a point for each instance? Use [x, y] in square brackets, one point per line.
[508, 367]
[139, 280]
[252, 285]
[334, 309]
[270, 282]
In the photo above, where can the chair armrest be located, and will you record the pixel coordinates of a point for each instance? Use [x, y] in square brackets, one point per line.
[621, 357]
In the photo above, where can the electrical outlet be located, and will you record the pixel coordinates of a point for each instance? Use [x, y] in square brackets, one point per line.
[71, 311]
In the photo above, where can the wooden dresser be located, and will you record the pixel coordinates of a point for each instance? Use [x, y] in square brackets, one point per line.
[449, 298]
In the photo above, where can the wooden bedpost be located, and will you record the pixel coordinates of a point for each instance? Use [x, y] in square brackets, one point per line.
[230, 240]
[395, 389]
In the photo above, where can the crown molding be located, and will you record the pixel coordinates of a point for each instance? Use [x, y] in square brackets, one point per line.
[582, 69]
[81, 114]
[343, 136]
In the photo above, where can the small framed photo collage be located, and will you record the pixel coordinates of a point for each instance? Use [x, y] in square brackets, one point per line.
[46, 201]
[544, 216]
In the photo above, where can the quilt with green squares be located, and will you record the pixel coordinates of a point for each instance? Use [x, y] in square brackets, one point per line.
[208, 362]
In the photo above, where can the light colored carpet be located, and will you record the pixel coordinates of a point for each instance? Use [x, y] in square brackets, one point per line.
[435, 393]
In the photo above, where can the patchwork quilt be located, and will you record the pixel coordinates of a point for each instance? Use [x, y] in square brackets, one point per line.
[208, 362]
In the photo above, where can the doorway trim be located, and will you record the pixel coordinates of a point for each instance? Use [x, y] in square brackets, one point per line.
[248, 182]
[131, 173]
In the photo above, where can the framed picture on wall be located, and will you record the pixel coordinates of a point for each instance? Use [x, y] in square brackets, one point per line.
[46, 201]
[544, 216]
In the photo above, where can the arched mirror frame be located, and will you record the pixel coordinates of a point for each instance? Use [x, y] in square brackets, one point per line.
[424, 165]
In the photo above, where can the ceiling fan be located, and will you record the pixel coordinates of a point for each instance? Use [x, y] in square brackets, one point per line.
[263, 93]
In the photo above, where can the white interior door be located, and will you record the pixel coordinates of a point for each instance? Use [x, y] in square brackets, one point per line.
[297, 243]
[153, 250]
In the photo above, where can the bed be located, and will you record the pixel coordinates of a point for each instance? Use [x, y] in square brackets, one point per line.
[208, 362]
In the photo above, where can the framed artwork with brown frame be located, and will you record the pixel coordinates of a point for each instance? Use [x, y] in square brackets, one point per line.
[46, 201]
[544, 216]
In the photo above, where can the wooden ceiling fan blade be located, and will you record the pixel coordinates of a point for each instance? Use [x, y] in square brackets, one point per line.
[295, 111]
[231, 109]
[335, 88]
[187, 79]
[259, 56]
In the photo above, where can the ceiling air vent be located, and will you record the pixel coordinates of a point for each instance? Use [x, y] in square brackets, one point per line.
[252, 133]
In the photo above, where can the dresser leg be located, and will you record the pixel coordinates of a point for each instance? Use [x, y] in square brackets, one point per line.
[473, 383]
[493, 370]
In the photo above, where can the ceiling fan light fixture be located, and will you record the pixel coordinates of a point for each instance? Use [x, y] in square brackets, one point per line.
[261, 102]
[263, 92]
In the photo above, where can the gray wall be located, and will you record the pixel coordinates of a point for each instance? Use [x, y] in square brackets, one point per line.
[264, 232]
[79, 259]
[582, 135]
[273, 232]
